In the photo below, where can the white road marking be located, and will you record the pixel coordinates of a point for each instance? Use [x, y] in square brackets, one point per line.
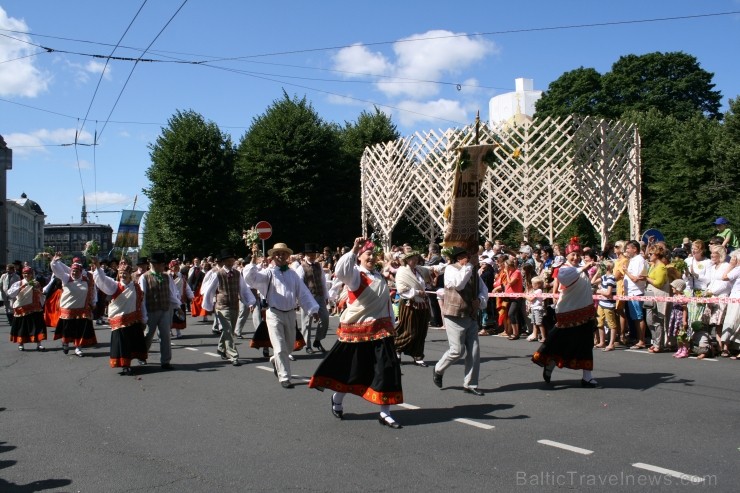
[641, 351]
[192, 349]
[474, 423]
[264, 368]
[564, 446]
[703, 359]
[669, 472]
[408, 406]
[213, 354]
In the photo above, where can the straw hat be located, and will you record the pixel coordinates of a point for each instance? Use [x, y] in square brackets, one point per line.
[279, 247]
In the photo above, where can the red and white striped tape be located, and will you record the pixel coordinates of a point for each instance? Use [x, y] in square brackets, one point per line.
[667, 299]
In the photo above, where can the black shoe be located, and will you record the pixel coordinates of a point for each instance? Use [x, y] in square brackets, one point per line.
[337, 414]
[590, 384]
[286, 384]
[240, 336]
[65, 349]
[318, 346]
[222, 354]
[167, 366]
[309, 350]
[274, 368]
[473, 390]
[21, 348]
[437, 378]
[420, 362]
[235, 362]
[265, 352]
[546, 374]
[391, 424]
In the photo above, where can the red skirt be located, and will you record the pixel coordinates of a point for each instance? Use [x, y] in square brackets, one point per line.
[51, 309]
[196, 306]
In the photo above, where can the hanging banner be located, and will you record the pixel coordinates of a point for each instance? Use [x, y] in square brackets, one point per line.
[128, 231]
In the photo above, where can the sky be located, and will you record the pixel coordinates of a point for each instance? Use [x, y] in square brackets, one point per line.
[430, 65]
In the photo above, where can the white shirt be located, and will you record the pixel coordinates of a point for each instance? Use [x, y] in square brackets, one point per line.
[717, 286]
[638, 266]
[210, 286]
[282, 290]
[696, 273]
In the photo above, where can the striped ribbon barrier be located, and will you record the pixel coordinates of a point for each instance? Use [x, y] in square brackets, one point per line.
[667, 299]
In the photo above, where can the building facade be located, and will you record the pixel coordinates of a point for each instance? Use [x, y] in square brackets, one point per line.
[71, 238]
[25, 231]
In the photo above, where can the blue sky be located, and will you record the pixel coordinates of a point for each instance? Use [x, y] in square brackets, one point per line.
[423, 63]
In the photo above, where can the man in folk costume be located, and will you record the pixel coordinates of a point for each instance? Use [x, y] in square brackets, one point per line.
[464, 294]
[313, 276]
[414, 311]
[9, 277]
[283, 290]
[75, 305]
[126, 316]
[227, 288]
[184, 293]
[160, 301]
[28, 314]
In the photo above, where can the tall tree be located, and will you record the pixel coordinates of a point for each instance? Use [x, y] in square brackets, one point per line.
[369, 129]
[725, 155]
[288, 163]
[673, 83]
[575, 92]
[194, 203]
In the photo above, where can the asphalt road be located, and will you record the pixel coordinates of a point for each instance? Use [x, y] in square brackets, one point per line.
[73, 424]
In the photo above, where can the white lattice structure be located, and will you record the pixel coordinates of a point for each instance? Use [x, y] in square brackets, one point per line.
[545, 174]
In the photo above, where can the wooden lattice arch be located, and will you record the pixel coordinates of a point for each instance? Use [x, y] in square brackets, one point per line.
[546, 173]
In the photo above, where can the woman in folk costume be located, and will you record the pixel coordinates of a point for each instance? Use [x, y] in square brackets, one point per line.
[184, 293]
[363, 360]
[52, 293]
[126, 316]
[195, 280]
[28, 314]
[414, 312]
[76, 303]
[570, 343]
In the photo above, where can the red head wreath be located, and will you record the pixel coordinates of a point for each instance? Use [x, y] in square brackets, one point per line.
[573, 246]
[368, 245]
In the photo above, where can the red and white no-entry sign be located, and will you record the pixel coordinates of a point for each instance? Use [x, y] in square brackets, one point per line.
[264, 230]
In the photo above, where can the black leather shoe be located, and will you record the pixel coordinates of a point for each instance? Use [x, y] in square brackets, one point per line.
[235, 362]
[420, 362]
[318, 346]
[473, 390]
[337, 414]
[390, 424]
[265, 352]
[286, 384]
[589, 384]
[437, 378]
[546, 374]
[222, 354]
[309, 350]
[167, 366]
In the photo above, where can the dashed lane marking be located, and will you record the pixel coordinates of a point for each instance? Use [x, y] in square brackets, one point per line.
[191, 349]
[408, 406]
[474, 423]
[565, 446]
[212, 354]
[669, 472]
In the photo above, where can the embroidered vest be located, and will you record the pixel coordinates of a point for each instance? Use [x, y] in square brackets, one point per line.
[28, 300]
[460, 303]
[366, 317]
[227, 295]
[76, 298]
[314, 278]
[124, 308]
[157, 293]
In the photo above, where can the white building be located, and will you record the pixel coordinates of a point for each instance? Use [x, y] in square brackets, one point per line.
[504, 107]
[25, 230]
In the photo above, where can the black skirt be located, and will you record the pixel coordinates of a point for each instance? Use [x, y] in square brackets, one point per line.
[127, 344]
[367, 369]
[261, 338]
[568, 347]
[76, 331]
[28, 328]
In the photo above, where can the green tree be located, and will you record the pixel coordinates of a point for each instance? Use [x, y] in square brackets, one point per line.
[195, 206]
[369, 129]
[673, 83]
[574, 92]
[289, 165]
[725, 155]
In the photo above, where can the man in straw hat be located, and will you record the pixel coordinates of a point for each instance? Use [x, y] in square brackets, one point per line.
[313, 276]
[160, 300]
[227, 288]
[283, 290]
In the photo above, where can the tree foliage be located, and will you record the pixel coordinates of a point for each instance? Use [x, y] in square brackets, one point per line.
[289, 166]
[194, 203]
[574, 92]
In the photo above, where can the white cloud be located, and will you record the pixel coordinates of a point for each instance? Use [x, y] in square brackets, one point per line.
[106, 198]
[357, 61]
[414, 112]
[19, 76]
[96, 67]
[27, 143]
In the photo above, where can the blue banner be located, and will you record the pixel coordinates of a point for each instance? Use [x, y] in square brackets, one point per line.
[128, 231]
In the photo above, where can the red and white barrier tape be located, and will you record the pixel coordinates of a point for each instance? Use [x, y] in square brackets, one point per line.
[667, 299]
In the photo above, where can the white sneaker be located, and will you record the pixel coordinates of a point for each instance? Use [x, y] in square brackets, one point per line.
[291, 357]
[79, 352]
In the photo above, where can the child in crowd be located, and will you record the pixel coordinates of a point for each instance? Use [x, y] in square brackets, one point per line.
[537, 309]
[606, 309]
[701, 340]
[679, 320]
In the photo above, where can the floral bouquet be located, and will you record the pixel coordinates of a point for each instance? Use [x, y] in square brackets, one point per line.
[680, 265]
[91, 249]
[251, 237]
[45, 255]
